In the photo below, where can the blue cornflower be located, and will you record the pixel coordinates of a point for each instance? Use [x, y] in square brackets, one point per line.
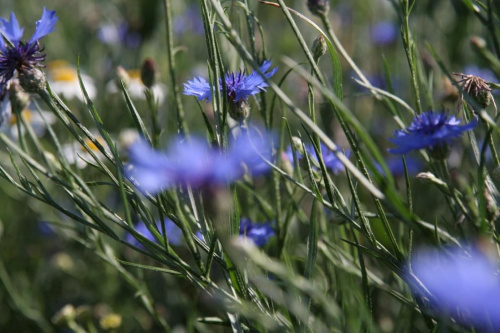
[17, 55]
[430, 130]
[174, 233]
[259, 233]
[465, 285]
[238, 85]
[195, 163]
[331, 160]
[384, 33]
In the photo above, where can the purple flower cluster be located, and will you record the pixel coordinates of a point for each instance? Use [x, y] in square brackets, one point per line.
[239, 86]
[259, 233]
[463, 284]
[193, 162]
[174, 233]
[329, 158]
[429, 130]
[17, 55]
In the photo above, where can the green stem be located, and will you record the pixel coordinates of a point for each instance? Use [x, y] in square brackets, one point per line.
[181, 125]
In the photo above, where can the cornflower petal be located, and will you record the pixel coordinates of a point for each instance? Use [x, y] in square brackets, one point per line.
[259, 233]
[238, 85]
[331, 160]
[195, 163]
[173, 233]
[428, 130]
[45, 25]
[198, 87]
[11, 30]
[150, 170]
[464, 284]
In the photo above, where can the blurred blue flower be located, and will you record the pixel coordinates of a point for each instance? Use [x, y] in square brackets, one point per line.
[195, 163]
[119, 34]
[429, 130]
[17, 55]
[396, 166]
[331, 160]
[189, 21]
[484, 73]
[384, 33]
[463, 284]
[239, 86]
[259, 233]
[174, 233]
[45, 228]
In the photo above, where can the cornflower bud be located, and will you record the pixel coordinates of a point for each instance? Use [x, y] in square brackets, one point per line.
[149, 72]
[32, 80]
[319, 47]
[318, 7]
[239, 110]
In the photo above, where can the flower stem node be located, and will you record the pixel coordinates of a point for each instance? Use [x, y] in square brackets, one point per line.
[32, 80]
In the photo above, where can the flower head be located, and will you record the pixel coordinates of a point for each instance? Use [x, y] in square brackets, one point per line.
[174, 233]
[259, 233]
[76, 153]
[63, 80]
[135, 86]
[430, 130]
[18, 55]
[465, 285]
[37, 119]
[239, 86]
[195, 163]
[318, 7]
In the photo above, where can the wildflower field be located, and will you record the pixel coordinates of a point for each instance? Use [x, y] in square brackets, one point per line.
[249, 165]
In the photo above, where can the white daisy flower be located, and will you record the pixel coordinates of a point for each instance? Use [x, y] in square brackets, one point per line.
[136, 88]
[63, 79]
[37, 119]
[77, 154]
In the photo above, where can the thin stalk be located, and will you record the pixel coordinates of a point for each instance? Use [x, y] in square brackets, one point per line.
[181, 125]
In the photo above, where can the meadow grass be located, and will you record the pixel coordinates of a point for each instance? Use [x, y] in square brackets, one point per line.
[245, 165]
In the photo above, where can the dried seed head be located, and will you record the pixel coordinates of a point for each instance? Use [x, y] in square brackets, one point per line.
[476, 88]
